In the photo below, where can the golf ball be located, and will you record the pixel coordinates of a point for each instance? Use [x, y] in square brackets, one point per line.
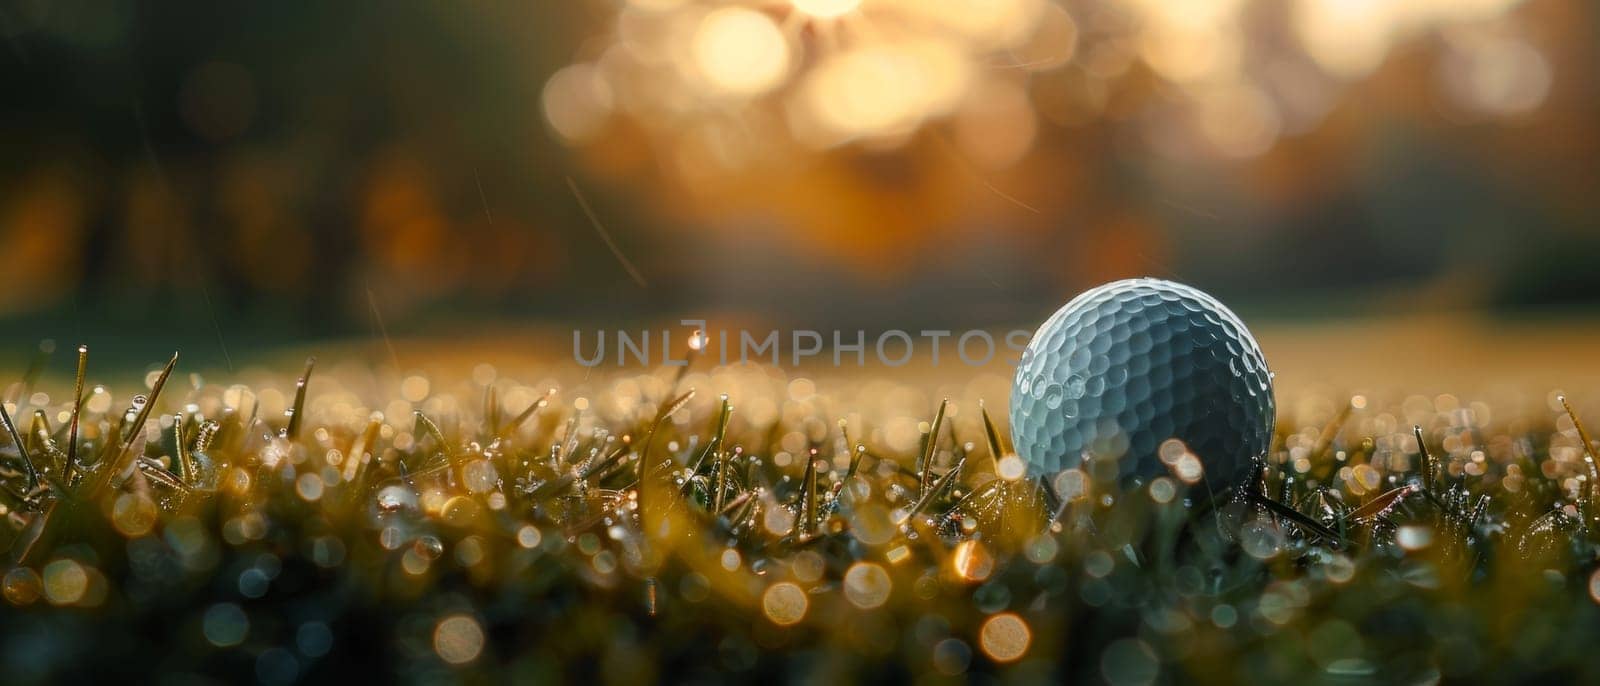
[1125, 367]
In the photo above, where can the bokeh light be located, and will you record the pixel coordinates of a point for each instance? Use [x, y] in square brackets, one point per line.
[867, 585]
[1005, 637]
[225, 625]
[876, 71]
[784, 603]
[458, 639]
[825, 9]
[739, 52]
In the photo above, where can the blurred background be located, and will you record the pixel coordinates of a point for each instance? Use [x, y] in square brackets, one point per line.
[1412, 181]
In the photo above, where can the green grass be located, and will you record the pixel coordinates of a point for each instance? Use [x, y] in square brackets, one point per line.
[666, 537]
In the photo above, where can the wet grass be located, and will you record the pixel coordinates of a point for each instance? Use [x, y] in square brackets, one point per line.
[658, 533]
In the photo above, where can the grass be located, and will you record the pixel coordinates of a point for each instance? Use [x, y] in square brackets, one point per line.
[196, 532]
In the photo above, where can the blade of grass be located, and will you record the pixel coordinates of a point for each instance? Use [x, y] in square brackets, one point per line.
[533, 408]
[296, 411]
[22, 449]
[1588, 459]
[929, 447]
[72, 425]
[718, 434]
[1381, 505]
[355, 466]
[997, 445]
[661, 416]
[1330, 431]
[646, 469]
[183, 461]
[938, 487]
[1305, 523]
[1428, 467]
[102, 474]
[808, 500]
[491, 409]
[427, 426]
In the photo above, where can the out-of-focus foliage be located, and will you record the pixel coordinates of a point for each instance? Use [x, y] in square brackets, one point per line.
[284, 168]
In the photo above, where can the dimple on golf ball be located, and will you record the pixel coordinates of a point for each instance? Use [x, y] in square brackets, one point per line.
[1125, 367]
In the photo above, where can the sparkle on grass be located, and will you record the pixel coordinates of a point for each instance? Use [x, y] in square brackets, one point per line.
[1072, 484]
[1005, 637]
[458, 639]
[867, 585]
[23, 586]
[528, 536]
[1042, 549]
[475, 509]
[1414, 537]
[785, 603]
[1162, 490]
[808, 566]
[225, 625]
[1012, 468]
[309, 486]
[971, 561]
[65, 582]
[134, 514]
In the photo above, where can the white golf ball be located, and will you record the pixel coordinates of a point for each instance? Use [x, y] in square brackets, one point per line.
[1127, 366]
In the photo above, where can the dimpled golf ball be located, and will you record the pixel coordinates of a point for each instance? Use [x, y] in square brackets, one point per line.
[1125, 367]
